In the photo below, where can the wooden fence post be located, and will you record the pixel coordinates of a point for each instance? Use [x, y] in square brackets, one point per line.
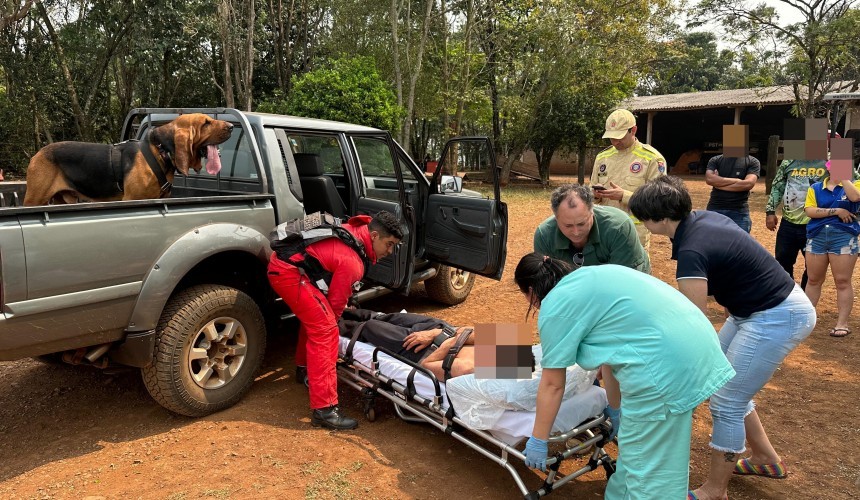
[772, 161]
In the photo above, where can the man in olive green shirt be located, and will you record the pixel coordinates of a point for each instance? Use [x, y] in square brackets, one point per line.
[583, 234]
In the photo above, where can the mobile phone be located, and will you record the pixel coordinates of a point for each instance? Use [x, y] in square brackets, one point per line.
[598, 187]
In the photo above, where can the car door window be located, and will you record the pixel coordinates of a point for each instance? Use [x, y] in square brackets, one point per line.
[377, 167]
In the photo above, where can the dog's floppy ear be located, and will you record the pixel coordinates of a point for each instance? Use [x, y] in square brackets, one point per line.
[184, 156]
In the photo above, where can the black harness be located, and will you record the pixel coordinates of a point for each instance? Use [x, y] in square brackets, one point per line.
[290, 245]
[165, 185]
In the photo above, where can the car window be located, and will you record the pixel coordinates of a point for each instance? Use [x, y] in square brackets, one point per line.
[374, 156]
[325, 146]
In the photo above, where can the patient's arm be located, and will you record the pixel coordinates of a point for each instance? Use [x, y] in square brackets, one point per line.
[417, 341]
[464, 363]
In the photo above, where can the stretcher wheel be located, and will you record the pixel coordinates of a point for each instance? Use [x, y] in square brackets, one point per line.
[370, 415]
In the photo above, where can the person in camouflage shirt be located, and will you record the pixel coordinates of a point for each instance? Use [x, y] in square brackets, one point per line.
[788, 192]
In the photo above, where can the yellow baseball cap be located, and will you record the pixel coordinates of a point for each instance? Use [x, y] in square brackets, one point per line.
[618, 123]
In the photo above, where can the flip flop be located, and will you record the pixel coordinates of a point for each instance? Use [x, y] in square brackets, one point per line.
[846, 332]
[693, 496]
[744, 467]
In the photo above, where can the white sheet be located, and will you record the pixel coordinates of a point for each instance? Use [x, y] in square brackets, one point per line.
[513, 426]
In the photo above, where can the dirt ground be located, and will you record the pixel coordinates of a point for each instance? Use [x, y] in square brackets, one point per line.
[71, 432]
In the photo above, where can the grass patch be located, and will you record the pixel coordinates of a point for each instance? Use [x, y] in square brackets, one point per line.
[334, 486]
[222, 493]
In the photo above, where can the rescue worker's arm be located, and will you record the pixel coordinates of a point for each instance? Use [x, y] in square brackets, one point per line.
[622, 247]
[550, 392]
[695, 289]
[348, 270]
[613, 390]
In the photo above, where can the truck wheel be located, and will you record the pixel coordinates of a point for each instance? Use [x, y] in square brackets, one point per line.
[450, 285]
[210, 343]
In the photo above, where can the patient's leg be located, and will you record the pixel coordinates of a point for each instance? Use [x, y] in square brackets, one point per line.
[464, 363]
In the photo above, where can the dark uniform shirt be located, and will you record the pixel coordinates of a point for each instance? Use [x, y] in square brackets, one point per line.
[742, 276]
[612, 240]
[732, 168]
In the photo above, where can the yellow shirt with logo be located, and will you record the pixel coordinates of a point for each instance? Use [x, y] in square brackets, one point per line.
[628, 169]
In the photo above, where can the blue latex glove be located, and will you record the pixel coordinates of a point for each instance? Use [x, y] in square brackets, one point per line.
[535, 452]
[613, 415]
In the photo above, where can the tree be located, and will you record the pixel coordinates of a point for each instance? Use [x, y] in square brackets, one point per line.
[687, 63]
[819, 47]
[348, 90]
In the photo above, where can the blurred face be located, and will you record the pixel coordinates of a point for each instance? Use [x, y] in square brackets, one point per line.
[575, 223]
[383, 246]
[626, 141]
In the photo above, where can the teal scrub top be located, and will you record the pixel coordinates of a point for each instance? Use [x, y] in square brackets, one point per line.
[664, 352]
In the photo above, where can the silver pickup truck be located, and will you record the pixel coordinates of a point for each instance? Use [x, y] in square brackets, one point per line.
[178, 287]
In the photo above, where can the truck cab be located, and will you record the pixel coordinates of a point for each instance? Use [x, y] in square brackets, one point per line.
[314, 165]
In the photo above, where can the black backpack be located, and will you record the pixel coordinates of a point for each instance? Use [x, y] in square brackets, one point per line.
[290, 240]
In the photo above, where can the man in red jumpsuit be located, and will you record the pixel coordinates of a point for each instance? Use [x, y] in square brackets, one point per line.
[318, 313]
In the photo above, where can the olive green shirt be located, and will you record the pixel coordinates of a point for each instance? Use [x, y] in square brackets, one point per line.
[612, 240]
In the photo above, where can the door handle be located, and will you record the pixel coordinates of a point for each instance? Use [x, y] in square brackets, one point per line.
[471, 228]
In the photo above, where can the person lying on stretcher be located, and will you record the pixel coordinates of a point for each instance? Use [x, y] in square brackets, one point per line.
[418, 338]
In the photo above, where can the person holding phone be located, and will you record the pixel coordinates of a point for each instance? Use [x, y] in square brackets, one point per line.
[625, 166]
[583, 234]
[832, 205]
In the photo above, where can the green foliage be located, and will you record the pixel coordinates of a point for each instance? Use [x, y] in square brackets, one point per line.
[348, 90]
[821, 49]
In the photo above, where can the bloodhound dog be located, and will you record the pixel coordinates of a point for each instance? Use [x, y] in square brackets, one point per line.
[72, 172]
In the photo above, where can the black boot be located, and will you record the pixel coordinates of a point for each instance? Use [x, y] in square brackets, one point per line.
[302, 375]
[331, 418]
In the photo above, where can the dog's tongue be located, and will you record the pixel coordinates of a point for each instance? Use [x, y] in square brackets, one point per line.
[213, 159]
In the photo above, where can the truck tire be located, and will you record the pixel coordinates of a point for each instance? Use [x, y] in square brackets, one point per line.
[450, 286]
[210, 342]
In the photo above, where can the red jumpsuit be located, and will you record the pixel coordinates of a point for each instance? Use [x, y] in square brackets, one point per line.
[318, 314]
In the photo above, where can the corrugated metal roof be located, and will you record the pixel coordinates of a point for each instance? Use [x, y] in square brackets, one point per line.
[782, 94]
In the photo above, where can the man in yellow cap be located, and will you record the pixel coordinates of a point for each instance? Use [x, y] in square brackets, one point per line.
[622, 168]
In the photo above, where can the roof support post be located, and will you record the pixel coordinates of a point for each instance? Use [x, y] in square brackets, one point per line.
[738, 111]
[650, 127]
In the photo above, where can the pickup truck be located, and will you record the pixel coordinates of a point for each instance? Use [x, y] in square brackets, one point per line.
[177, 286]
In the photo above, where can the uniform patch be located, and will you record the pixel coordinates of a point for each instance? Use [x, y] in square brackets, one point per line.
[636, 167]
[601, 168]
[661, 167]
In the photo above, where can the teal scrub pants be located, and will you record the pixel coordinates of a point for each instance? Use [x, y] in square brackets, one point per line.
[653, 459]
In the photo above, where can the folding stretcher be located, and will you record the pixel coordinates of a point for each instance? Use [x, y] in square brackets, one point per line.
[419, 397]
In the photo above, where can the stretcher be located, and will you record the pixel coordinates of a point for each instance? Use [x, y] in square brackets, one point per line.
[418, 396]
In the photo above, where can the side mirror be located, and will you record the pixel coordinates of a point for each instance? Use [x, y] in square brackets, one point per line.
[451, 184]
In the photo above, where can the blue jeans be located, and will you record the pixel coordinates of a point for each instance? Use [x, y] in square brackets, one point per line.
[755, 347]
[833, 240]
[741, 218]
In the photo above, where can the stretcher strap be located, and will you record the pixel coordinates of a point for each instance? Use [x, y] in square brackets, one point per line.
[454, 351]
[355, 334]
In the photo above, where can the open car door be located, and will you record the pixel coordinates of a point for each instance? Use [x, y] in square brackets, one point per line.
[463, 231]
[382, 188]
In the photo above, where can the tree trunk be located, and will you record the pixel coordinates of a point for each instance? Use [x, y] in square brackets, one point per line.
[248, 96]
[416, 72]
[393, 19]
[464, 72]
[224, 10]
[82, 123]
[445, 72]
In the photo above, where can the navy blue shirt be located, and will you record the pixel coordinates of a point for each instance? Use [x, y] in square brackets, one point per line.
[742, 276]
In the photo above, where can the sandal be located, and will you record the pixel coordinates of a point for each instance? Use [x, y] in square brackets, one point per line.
[692, 496]
[835, 332]
[744, 467]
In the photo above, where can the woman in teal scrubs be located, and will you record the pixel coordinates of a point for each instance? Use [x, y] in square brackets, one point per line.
[659, 355]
